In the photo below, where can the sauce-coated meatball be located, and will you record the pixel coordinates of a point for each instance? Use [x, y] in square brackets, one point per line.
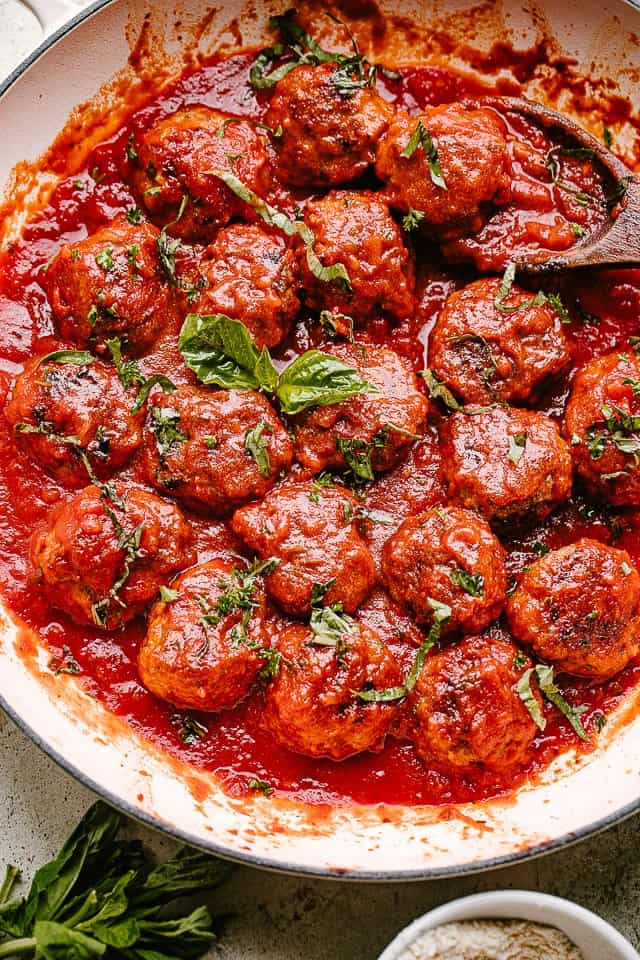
[486, 355]
[579, 608]
[312, 707]
[103, 560]
[328, 137]
[602, 424]
[450, 556]
[175, 160]
[357, 230]
[214, 450]
[84, 403]
[111, 285]
[472, 156]
[251, 276]
[506, 463]
[379, 426]
[467, 710]
[313, 532]
[201, 651]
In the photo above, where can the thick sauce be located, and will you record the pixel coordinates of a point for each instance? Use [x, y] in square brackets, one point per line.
[233, 746]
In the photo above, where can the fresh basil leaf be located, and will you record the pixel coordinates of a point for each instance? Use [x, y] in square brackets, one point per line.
[54, 941]
[221, 353]
[318, 379]
[188, 871]
[275, 218]
[158, 380]
[82, 358]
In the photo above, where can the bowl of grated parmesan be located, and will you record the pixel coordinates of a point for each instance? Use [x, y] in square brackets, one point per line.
[510, 925]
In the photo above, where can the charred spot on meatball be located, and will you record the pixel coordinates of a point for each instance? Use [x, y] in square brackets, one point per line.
[102, 556]
[603, 427]
[447, 556]
[485, 354]
[112, 285]
[312, 531]
[214, 450]
[62, 412]
[579, 609]
[252, 276]
[327, 137]
[506, 463]
[357, 230]
[446, 165]
[312, 706]
[173, 170]
[467, 710]
[371, 431]
[202, 650]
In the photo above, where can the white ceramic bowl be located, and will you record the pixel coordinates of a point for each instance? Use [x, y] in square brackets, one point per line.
[596, 939]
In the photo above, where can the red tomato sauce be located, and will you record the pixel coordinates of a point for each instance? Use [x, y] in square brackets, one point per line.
[233, 746]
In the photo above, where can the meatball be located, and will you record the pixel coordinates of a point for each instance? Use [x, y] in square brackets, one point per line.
[450, 556]
[313, 708]
[62, 411]
[467, 147]
[505, 463]
[102, 557]
[486, 355]
[329, 135]
[579, 609]
[214, 450]
[371, 431]
[202, 649]
[312, 531]
[358, 231]
[603, 423]
[111, 284]
[467, 710]
[252, 276]
[173, 170]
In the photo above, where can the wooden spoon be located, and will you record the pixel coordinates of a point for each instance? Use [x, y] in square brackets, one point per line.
[617, 241]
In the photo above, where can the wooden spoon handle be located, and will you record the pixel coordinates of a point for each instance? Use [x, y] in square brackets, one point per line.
[619, 246]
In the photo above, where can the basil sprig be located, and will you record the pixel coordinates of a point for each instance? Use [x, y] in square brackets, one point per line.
[221, 353]
[276, 218]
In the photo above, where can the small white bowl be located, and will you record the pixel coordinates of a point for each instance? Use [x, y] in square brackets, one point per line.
[596, 939]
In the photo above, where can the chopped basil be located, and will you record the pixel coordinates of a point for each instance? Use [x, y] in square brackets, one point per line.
[275, 218]
[131, 375]
[81, 358]
[320, 483]
[211, 443]
[626, 568]
[167, 255]
[191, 730]
[221, 352]
[520, 660]
[548, 689]
[134, 215]
[63, 664]
[634, 384]
[330, 625]
[577, 230]
[272, 662]
[526, 694]
[607, 137]
[438, 391]
[256, 447]
[357, 455]
[422, 138]
[129, 543]
[165, 427]
[132, 153]
[237, 595]
[599, 721]
[471, 583]
[517, 444]
[412, 220]
[104, 259]
[158, 380]
[504, 292]
[540, 548]
[260, 786]
[168, 594]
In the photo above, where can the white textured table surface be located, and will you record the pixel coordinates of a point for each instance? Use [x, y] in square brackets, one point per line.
[284, 918]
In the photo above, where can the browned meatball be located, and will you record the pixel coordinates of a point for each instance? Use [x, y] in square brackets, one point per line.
[486, 355]
[214, 450]
[449, 556]
[251, 276]
[371, 431]
[174, 164]
[202, 649]
[103, 559]
[579, 608]
[111, 285]
[59, 409]
[311, 530]
[603, 426]
[312, 707]
[358, 231]
[505, 463]
[472, 157]
[467, 710]
[328, 137]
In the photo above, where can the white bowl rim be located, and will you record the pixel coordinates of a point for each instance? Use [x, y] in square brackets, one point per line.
[512, 905]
